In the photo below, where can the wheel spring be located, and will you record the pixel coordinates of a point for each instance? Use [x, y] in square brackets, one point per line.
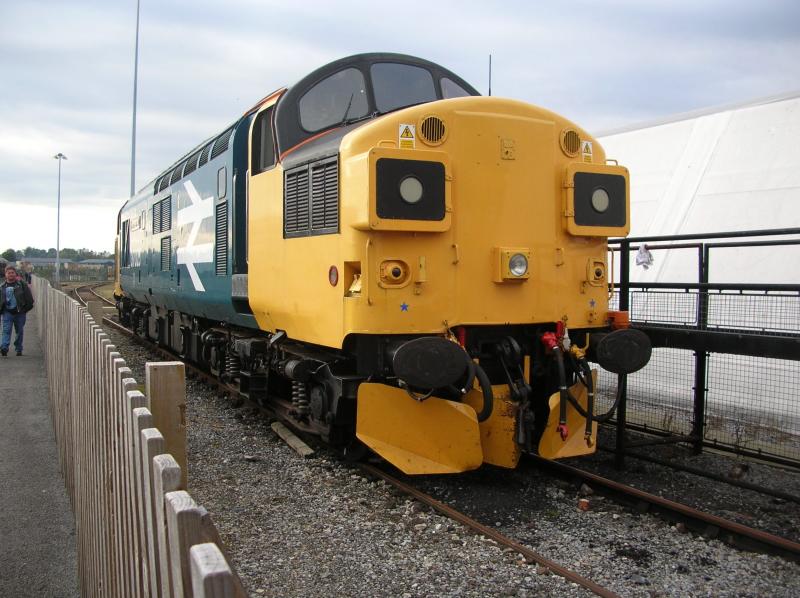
[232, 365]
[300, 397]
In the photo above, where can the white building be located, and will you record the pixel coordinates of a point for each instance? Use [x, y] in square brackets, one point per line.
[733, 168]
[724, 169]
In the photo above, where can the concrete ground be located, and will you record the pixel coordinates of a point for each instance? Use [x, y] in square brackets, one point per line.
[37, 530]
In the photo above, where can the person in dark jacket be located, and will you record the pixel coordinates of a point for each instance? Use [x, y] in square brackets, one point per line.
[16, 301]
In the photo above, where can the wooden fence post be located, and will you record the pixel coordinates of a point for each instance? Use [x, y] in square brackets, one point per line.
[134, 400]
[110, 398]
[142, 420]
[166, 478]
[165, 386]
[211, 575]
[183, 530]
[95, 453]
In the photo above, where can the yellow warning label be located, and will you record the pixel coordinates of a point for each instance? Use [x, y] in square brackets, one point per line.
[586, 151]
[407, 136]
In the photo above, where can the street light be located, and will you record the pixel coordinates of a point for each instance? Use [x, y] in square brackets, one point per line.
[133, 127]
[59, 156]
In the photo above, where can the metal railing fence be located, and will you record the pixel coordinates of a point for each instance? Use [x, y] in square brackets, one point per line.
[725, 370]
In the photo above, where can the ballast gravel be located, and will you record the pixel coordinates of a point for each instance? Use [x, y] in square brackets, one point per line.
[319, 527]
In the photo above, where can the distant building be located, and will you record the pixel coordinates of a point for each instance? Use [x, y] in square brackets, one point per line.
[90, 269]
[41, 261]
[104, 261]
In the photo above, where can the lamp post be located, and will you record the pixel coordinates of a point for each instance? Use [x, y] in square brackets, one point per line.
[133, 127]
[59, 156]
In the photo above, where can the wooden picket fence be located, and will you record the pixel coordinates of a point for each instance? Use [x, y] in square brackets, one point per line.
[139, 533]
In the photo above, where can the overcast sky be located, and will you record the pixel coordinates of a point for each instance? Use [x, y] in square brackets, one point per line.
[66, 76]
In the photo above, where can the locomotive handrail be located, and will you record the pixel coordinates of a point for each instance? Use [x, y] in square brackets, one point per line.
[364, 285]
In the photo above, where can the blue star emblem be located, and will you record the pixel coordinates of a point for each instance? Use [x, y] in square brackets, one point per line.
[404, 306]
[592, 303]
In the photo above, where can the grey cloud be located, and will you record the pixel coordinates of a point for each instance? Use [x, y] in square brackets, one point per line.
[66, 69]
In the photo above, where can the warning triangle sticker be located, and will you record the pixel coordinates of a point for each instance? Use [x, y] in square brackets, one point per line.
[407, 134]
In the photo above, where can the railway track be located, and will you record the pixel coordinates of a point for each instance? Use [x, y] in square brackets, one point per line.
[530, 555]
[731, 532]
[79, 291]
[712, 476]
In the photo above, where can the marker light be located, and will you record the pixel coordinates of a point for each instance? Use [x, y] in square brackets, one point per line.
[411, 189]
[600, 200]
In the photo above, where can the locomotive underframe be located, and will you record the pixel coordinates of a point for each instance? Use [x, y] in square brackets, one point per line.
[315, 388]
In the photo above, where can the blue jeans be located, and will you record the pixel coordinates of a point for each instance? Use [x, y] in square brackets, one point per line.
[18, 322]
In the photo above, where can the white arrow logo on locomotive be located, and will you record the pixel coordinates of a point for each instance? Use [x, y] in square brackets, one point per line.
[194, 214]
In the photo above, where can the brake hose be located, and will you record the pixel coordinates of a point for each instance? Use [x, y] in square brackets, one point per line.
[588, 382]
[488, 397]
[563, 393]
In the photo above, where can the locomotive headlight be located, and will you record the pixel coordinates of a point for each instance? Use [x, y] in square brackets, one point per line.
[511, 264]
[411, 189]
[518, 264]
[600, 200]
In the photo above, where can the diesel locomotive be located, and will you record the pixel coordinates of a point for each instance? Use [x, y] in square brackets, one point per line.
[391, 261]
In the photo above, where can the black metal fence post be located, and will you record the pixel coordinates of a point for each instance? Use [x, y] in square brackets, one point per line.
[701, 356]
[624, 305]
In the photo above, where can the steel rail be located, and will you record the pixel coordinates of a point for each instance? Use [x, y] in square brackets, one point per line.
[739, 535]
[91, 288]
[99, 296]
[529, 554]
[707, 474]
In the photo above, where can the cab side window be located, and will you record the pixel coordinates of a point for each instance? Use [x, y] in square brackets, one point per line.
[263, 142]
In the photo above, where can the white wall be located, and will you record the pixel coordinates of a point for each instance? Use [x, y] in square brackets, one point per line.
[735, 169]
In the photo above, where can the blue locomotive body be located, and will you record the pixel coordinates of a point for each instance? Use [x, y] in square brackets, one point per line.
[183, 237]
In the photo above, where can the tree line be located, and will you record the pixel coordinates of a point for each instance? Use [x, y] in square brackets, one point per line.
[13, 255]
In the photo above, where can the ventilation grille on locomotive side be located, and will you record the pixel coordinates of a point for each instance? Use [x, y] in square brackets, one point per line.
[311, 199]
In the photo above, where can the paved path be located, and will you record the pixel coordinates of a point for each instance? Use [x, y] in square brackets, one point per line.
[37, 531]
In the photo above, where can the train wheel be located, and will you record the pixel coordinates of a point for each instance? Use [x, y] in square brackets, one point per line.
[355, 451]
